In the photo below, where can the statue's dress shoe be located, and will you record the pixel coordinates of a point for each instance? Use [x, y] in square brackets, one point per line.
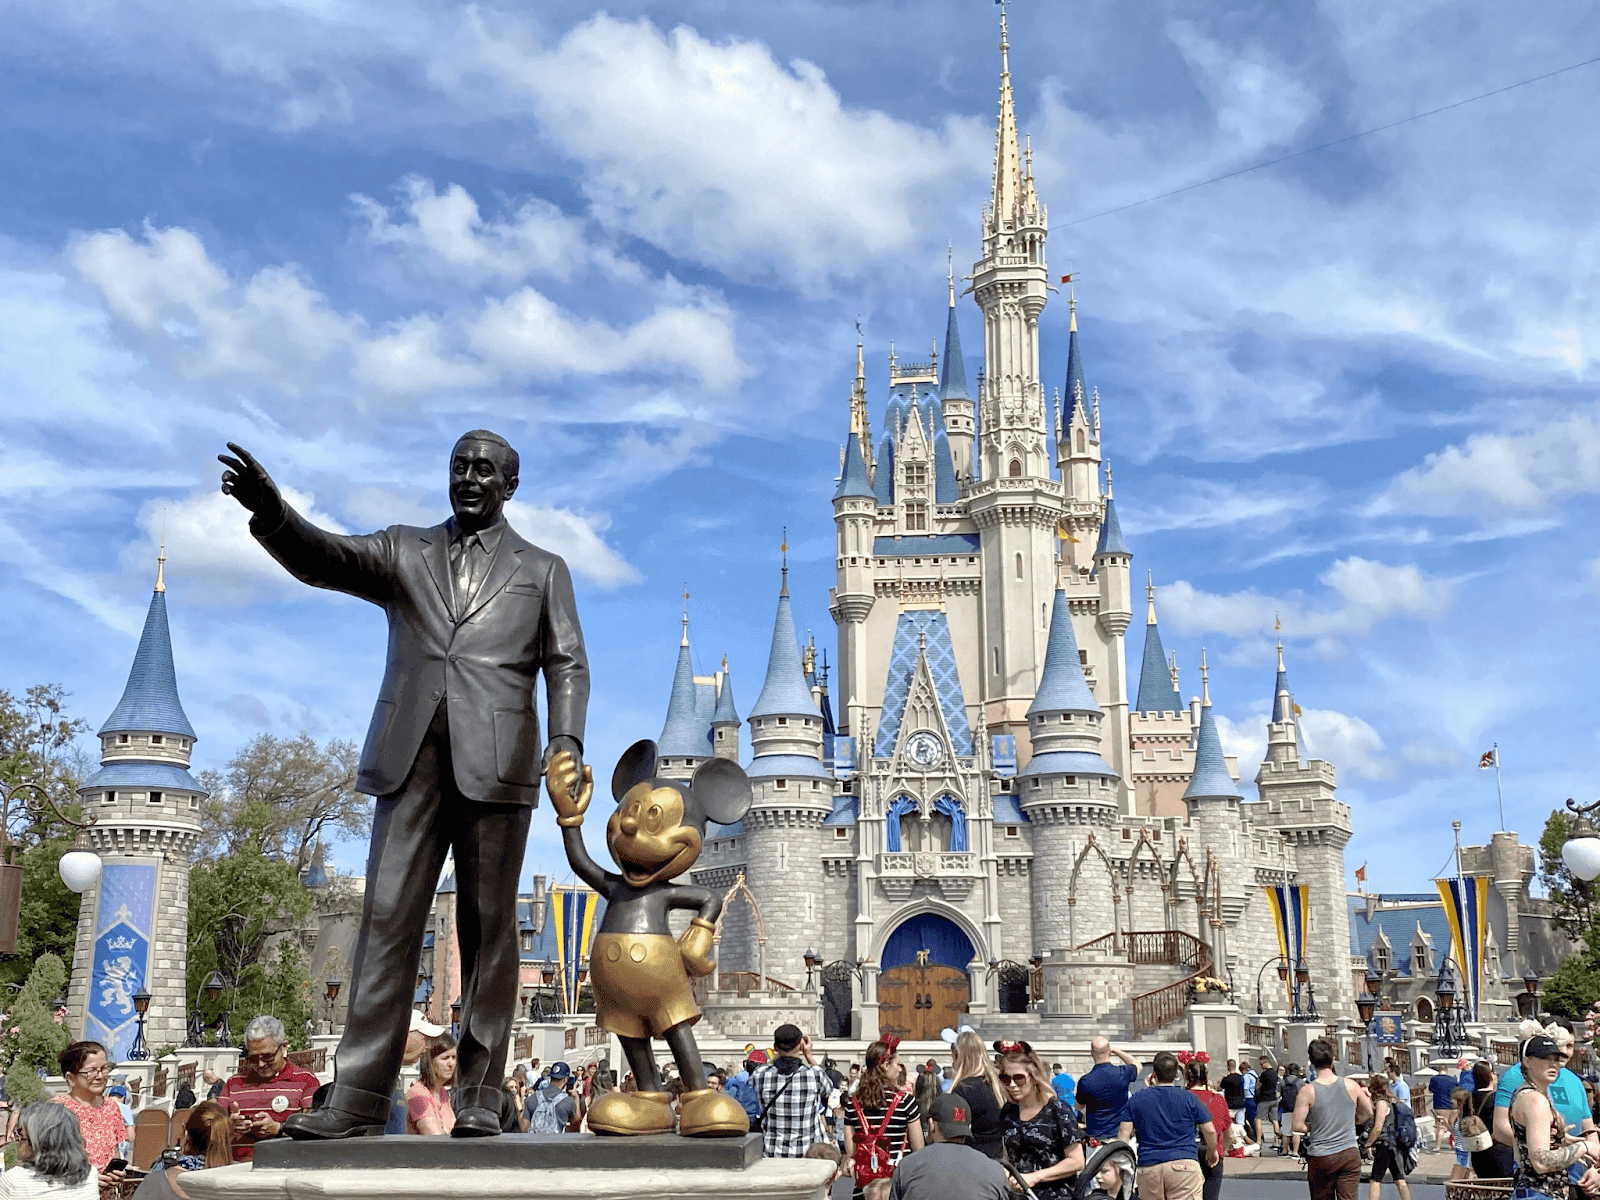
[330, 1124]
[630, 1114]
[476, 1123]
[708, 1113]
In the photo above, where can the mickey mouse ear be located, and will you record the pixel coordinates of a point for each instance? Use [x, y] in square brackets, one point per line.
[637, 765]
[721, 790]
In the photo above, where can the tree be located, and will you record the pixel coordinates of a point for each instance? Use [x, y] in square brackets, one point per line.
[1574, 986]
[236, 903]
[32, 1038]
[280, 795]
[1575, 903]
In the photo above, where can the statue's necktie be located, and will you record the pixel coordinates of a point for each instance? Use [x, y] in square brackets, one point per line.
[465, 554]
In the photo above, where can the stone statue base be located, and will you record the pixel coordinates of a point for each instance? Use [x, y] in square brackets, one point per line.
[513, 1167]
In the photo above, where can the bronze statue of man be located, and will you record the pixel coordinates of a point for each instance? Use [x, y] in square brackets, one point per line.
[452, 755]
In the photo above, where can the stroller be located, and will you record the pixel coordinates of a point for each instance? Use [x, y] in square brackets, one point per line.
[1118, 1154]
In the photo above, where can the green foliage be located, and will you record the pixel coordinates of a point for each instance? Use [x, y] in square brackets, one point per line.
[1574, 986]
[1574, 902]
[280, 795]
[33, 1039]
[48, 921]
[235, 904]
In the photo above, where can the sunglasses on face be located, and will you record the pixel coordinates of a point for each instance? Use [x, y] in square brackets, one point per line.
[1017, 1080]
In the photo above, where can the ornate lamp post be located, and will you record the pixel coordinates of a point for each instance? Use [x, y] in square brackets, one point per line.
[141, 1005]
[79, 868]
[1282, 964]
[813, 961]
[330, 995]
[1449, 1024]
[1302, 979]
[1528, 998]
[1581, 852]
[212, 988]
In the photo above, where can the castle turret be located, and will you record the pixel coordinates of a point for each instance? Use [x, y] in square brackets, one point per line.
[725, 721]
[1078, 434]
[685, 737]
[1211, 780]
[954, 396]
[855, 509]
[1113, 562]
[1067, 784]
[133, 925]
[792, 793]
[1160, 735]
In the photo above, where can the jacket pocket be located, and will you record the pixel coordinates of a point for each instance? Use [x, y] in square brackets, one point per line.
[516, 747]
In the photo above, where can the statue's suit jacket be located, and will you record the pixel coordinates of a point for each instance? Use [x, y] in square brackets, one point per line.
[483, 661]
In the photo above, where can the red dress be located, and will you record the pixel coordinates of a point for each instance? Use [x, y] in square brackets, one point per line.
[1218, 1108]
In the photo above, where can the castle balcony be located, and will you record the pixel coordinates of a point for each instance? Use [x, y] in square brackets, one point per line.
[952, 872]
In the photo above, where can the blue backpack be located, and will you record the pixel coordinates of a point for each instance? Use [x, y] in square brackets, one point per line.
[1405, 1127]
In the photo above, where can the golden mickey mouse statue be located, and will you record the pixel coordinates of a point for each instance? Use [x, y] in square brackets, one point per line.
[639, 972]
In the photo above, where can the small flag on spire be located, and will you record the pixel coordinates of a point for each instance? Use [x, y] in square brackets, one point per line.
[1297, 710]
[1066, 279]
[1064, 531]
[1361, 873]
[1489, 758]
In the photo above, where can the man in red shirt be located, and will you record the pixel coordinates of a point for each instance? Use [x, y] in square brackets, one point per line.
[268, 1088]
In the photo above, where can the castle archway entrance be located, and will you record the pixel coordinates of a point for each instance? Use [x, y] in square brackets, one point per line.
[923, 986]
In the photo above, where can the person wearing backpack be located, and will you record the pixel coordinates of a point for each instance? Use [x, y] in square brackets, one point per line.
[1289, 1086]
[882, 1123]
[1390, 1152]
[550, 1108]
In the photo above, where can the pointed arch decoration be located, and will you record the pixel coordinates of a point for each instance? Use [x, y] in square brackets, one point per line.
[1093, 845]
[1146, 843]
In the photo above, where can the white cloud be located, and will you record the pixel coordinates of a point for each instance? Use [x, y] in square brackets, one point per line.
[1364, 593]
[1267, 503]
[447, 234]
[577, 538]
[1256, 104]
[717, 152]
[1348, 742]
[210, 553]
[274, 331]
[1493, 474]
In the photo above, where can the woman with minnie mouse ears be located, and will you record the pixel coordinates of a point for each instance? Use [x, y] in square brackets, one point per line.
[1042, 1138]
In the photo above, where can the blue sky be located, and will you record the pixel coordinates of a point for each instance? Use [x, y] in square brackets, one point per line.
[1355, 389]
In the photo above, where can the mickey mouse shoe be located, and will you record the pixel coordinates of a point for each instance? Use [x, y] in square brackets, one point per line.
[633, 1114]
[708, 1113]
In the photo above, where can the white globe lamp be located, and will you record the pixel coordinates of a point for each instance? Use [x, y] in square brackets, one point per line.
[80, 869]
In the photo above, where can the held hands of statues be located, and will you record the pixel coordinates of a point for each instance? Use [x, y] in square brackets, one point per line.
[247, 481]
[695, 947]
[568, 795]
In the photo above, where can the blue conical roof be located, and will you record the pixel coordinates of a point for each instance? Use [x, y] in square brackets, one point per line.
[883, 482]
[150, 702]
[953, 371]
[1210, 780]
[1111, 533]
[853, 479]
[726, 713]
[1077, 391]
[684, 732]
[1061, 684]
[784, 694]
[1156, 693]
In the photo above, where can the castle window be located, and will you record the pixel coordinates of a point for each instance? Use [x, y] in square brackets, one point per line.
[155, 739]
[783, 720]
[108, 798]
[1080, 441]
[840, 832]
[1127, 835]
[122, 739]
[1012, 831]
[916, 475]
[815, 785]
[1036, 783]
[1070, 780]
[781, 784]
[194, 802]
[1019, 566]
[155, 797]
[1083, 658]
[1015, 470]
[997, 660]
[916, 516]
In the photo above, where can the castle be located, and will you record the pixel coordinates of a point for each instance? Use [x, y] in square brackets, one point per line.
[994, 800]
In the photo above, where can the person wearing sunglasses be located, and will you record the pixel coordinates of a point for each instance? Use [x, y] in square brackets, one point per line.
[268, 1088]
[1042, 1137]
[87, 1071]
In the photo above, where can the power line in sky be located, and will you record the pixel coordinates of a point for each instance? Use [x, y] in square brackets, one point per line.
[1272, 162]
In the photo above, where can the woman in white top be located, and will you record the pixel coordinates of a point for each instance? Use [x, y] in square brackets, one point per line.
[51, 1161]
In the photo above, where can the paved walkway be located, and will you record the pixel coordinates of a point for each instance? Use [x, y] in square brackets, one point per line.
[1431, 1167]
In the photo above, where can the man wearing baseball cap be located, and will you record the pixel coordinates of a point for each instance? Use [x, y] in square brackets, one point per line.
[416, 1041]
[947, 1167]
[550, 1109]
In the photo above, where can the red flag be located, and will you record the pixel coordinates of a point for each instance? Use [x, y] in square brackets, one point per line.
[1066, 279]
[1361, 873]
[1487, 760]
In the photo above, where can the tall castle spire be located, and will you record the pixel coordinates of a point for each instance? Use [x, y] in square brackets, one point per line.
[954, 397]
[1007, 193]
[1211, 780]
[1158, 691]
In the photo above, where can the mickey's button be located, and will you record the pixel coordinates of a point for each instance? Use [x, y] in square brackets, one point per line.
[637, 952]
[613, 952]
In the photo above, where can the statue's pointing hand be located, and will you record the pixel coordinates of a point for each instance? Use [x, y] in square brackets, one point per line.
[568, 793]
[247, 481]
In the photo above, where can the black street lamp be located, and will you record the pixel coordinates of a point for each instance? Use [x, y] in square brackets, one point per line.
[1302, 979]
[141, 1005]
[1528, 998]
[1282, 964]
[1449, 1022]
[813, 961]
[455, 1018]
[330, 995]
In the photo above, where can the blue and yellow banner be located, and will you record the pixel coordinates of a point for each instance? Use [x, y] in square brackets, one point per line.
[1290, 915]
[1466, 907]
[572, 911]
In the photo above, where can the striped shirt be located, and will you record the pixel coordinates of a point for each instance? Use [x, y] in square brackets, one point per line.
[246, 1098]
[894, 1138]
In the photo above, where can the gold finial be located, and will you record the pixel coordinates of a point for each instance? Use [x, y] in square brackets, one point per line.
[783, 548]
[161, 564]
[724, 664]
[1205, 679]
[685, 640]
[1150, 596]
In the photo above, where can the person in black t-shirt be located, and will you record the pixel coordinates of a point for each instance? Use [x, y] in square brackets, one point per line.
[1267, 1102]
[1233, 1092]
